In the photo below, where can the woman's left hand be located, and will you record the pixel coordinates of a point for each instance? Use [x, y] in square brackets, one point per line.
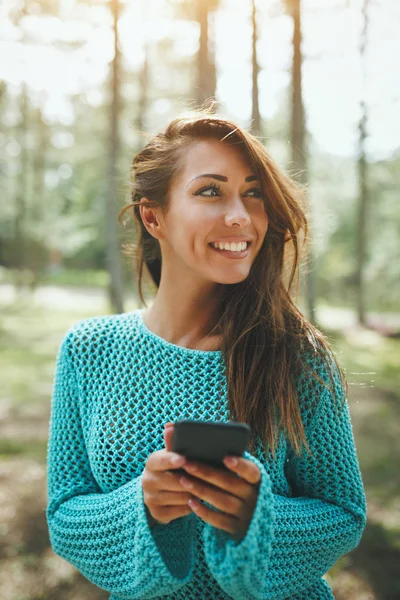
[234, 492]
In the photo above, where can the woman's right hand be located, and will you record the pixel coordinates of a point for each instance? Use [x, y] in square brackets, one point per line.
[163, 495]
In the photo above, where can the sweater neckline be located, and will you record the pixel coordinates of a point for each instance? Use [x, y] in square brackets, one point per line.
[163, 342]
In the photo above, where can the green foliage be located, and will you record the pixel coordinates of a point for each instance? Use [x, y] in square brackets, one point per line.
[334, 196]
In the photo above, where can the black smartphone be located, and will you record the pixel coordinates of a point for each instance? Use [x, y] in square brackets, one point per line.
[209, 441]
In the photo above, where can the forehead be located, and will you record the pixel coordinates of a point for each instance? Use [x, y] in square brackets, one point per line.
[213, 156]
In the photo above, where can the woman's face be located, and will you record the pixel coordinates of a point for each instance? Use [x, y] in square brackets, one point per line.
[224, 206]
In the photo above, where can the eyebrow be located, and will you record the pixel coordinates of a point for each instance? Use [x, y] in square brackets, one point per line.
[221, 177]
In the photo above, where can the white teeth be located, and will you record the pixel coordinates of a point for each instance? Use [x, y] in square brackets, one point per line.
[232, 246]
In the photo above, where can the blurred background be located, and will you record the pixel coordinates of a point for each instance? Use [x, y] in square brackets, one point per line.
[81, 83]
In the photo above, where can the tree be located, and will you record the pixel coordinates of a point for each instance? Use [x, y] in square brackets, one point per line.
[255, 109]
[362, 184]
[113, 261]
[298, 139]
[200, 11]
[206, 72]
[21, 196]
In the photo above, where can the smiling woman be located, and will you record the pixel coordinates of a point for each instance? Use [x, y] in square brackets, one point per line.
[232, 211]
[223, 340]
[182, 213]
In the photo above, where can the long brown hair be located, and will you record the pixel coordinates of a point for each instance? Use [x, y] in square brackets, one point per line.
[265, 336]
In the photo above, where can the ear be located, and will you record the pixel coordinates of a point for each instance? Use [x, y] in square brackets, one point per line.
[150, 218]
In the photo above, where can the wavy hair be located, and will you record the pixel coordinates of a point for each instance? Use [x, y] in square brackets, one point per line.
[265, 336]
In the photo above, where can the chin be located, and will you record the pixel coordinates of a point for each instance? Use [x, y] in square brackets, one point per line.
[232, 278]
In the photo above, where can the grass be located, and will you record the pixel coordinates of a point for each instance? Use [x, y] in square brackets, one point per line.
[374, 365]
[35, 449]
[71, 277]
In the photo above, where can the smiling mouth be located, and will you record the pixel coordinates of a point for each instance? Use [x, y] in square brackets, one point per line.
[232, 253]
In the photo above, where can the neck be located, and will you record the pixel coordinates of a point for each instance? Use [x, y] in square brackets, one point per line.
[186, 315]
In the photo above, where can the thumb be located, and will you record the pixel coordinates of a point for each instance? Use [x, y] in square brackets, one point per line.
[168, 433]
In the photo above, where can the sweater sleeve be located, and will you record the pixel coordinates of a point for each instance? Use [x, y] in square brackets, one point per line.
[106, 536]
[292, 542]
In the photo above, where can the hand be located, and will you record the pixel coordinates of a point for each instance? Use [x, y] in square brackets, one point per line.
[235, 493]
[163, 495]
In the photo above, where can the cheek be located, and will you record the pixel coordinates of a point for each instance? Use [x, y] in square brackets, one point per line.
[259, 219]
[191, 231]
[182, 224]
[197, 227]
[266, 223]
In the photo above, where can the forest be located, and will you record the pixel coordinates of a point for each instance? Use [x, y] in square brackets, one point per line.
[83, 85]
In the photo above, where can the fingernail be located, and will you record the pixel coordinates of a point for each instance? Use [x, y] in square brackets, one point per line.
[186, 483]
[230, 461]
[178, 460]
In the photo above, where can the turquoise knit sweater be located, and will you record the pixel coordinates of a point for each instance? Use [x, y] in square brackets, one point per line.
[115, 385]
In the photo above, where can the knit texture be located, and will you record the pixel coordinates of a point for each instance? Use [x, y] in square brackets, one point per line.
[116, 384]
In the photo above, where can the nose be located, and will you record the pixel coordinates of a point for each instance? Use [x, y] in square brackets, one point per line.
[237, 213]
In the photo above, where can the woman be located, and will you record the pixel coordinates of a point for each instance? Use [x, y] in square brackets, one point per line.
[223, 340]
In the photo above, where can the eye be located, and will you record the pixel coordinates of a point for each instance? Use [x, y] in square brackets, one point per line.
[259, 192]
[212, 186]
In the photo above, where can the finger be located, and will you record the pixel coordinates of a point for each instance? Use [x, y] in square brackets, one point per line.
[216, 519]
[156, 482]
[168, 482]
[178, 498]
[232, 505]
[163, 460]
[165, 514]
[245, 468]
[223, 479]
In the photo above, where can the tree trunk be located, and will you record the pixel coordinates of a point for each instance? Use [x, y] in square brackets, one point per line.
[39, 166]
[362, 184]
[143, 97]
[299, 150]
[255, 109]
[22, 184]
[206, 82]
[113, 251]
